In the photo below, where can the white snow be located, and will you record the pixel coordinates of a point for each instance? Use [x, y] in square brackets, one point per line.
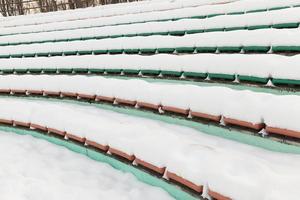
[34, 169]
[221, 164]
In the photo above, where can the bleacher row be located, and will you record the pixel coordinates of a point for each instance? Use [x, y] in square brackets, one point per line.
[227, 41]
[209, 21]
[256, 69]
[272, 19]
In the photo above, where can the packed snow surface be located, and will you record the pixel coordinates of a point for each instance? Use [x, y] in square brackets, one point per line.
[34, 169]
[220, 164]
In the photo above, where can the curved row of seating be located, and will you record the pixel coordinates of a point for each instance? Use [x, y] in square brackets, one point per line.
[255, 69]
[209, 23]
[246, 109]
[99, 12]
[258, 41]
[178, 28]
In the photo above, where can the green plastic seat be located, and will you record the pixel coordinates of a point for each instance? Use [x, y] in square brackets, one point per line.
[80, 70]
[257, 10]
[177, 33]
[148, 51]
[28, 55]
[35, 70]
[217, 76]
[206, 49]
[151, 72]
[49, 70]
[96, 71]
[258, 49]
[214, 15]
[131, 51]
[286, 49]
[21, 71]
[113, 71]
[88, 38]
[253, 79]
[277, 81]
[42, 54]
[198, 17]
[196, 75]
[65, 70]
[115, 36]
[131, 71]
[171, 73]
[194, 31]
[166, 50]
[236, 13]
[70, 53]
[4, 56]
[185, 49]
[85, 52]
[14, 43]
[7, 71]
[255, 27]
[73, 39]
[16, 55]
[100, 51]
[115, 51]
[61, 40]
[234, 28]
[56, 53]
[144, 34]
[161, 33]
[286, 25]
[213, 29]
[130, 35]
[279, 8]
[4, 44]
[230, 49]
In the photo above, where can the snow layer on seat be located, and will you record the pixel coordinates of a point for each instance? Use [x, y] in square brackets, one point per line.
[192, 155]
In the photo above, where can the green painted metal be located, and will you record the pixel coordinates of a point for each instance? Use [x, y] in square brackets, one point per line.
[131, 51]
[65, 70]
[234, 28]
[100, 51]
[43, 54]
[279, 8]
[257, 10]
[194, 31]
[254, 27]
[85, 52]
[177, 33]
[115, 51]
[29, 54]
[16, 55]
[148, 51]
[213, 30]
[253, 79]
[50, 70]
[142, 176]
[56, 53]
[35, 70]
[228, 77]
[70, 53]
[7, 71]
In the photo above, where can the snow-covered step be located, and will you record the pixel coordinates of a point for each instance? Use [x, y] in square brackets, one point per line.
[243, 108]
[264, 40]
[272, 19]
[132, 8]
[257, 69]
[208, 23]
[135, 137]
